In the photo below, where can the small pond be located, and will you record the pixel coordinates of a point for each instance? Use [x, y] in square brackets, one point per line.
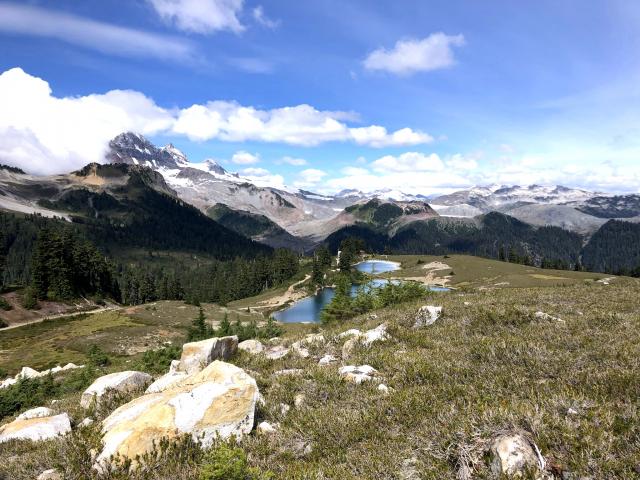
[377, 266]
[308, 309]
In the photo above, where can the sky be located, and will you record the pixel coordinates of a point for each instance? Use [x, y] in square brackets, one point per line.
[421, 96]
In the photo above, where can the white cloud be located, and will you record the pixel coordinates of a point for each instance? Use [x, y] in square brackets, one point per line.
[245, 158]
[260, 17]
[352, 171]
[91, 34]
[264, 178]
[45, 134]
[298, 125]
[416, 55]
[296, 162]
[201, 16]
[377, 136]
[408, 162]
[309, 177]
[461, 162]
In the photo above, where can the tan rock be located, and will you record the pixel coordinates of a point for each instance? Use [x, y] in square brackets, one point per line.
[166, 381]
[358, 374]
[35, 429]
[251, 346]
[511, 455]
[38, 412]
[121, 382]
[218, 401]
[51, 474]
[197, 355]
[266, 428]
[276, 352]
[349, 347]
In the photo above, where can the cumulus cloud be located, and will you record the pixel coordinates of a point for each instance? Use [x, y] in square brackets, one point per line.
[72, 131]
[245, 158]
[201, 16]
[416, 55]
[309, 177]
[461, 162]
[263, 177]
[91, 34]
[45, 134]
[353, 171]
[260, 17]
[409, 162]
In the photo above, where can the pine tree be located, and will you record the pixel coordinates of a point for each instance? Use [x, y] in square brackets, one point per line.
[317, 275]
[199, 330]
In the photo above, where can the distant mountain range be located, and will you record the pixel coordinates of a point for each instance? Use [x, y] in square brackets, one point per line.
[299, 219]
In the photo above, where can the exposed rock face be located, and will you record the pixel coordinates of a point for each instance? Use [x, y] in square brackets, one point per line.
[38, 412]
[251, 346]
[511, 455]
[427, 315]
[166, 381]
[119, 382]
[197, 355]
[36, 429]
[218, 401]
[358, 374]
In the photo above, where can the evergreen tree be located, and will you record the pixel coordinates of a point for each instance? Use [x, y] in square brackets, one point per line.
[200, 329]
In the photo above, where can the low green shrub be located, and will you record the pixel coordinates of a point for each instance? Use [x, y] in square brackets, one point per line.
[4, 305]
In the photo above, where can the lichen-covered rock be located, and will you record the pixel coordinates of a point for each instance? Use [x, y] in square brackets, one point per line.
[197, 355]
[276, 352]
[36, 429]
[121, 382]
[427, 315]
[166, 381]
[512, 455]
[358, 374]
[218, 401]
[251, 346]
[38, 412]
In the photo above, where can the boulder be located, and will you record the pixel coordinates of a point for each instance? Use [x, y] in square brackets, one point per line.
[219, 401]
[382, 388]
[251, 346]
[377, 334]
[86, 422]
[197, 355]
[358, 374]
[36, 429]
[266, 428]
[289, 371]
[299, 400]
[300, 347]
[38, 412]
[349, 346]
[27, 372]
[276, 352]
[427, 315]
[166, 381]
[122, 382]
[327, 360]
[511, 455]
[350, 333]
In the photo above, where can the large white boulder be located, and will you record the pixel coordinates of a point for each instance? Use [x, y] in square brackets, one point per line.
[218, 401]
[377, 334]
[251, 346]
[512, 454]
[276, 352]
[427, 315]
[166, 381]
[27, 372]
[197, 355]
[36, 429]
[358, 373]
[37, 412]
[121, 382]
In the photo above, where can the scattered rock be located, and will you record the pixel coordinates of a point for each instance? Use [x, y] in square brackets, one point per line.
[350, 333]
[382, 388]
[276, 352]
[378, 334]
[299, 400]
[251, 346]
[166, 381]
[51, 474]
[358, 374]
[219, 401]
[427, 315]
[284, 408]
[197, 355]
[119, 382]
[38, 412]
[327, 360]
[35, 429]
[546, 316]
[86, 422]
[27, 372]
[266, 428]
[511, 455]
[300, 350]
[348, 347]
[572, 411]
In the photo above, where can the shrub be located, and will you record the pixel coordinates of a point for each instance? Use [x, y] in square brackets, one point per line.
[158, 361]
[29, 299]
[97, 358]
[4, 305]
[227, 462]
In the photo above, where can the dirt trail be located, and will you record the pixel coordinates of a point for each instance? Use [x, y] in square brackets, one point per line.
[60, 315]
[289, 296]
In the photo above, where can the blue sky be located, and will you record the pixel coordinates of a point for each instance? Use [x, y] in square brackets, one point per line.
[420, 96]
